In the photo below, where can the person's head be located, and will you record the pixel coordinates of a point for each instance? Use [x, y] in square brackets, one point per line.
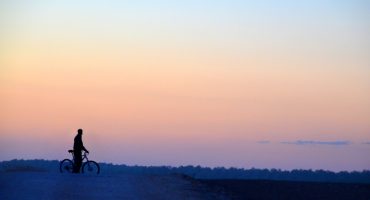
[79, 131]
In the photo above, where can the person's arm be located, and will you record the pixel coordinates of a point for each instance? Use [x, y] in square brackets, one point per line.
[83, 147]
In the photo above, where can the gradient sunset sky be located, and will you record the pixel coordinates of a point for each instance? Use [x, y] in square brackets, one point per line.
[266, 84]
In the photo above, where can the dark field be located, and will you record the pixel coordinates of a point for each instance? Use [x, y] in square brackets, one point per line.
[40, 179]
[285, 190]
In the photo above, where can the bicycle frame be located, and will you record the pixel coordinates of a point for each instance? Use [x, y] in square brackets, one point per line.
[84, 156]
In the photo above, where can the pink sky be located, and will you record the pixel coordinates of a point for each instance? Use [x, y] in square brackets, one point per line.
[188, 83]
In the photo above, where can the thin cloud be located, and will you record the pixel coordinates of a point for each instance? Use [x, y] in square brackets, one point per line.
[313, 142]
[366, 143]
[263, 142]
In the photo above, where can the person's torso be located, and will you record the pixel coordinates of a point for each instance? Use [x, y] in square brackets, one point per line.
[77, 143]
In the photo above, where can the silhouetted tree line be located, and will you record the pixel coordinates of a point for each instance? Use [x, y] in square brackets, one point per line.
[199, 172]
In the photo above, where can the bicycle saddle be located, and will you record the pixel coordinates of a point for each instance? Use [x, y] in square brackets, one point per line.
[70, 151]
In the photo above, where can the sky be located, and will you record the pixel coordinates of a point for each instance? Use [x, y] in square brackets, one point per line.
[265, 84]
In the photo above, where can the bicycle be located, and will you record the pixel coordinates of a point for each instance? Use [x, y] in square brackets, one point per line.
[89, 166]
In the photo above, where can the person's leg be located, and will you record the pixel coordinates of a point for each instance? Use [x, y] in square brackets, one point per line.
[77, 162]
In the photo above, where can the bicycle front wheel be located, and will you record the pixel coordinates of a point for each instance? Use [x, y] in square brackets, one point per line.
[91, 167]
[66, 166]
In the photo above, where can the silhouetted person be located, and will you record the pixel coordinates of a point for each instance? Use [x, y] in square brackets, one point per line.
[78, 147]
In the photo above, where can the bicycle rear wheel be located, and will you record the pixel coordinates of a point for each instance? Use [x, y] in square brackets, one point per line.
[91, 167]
[66, 166]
